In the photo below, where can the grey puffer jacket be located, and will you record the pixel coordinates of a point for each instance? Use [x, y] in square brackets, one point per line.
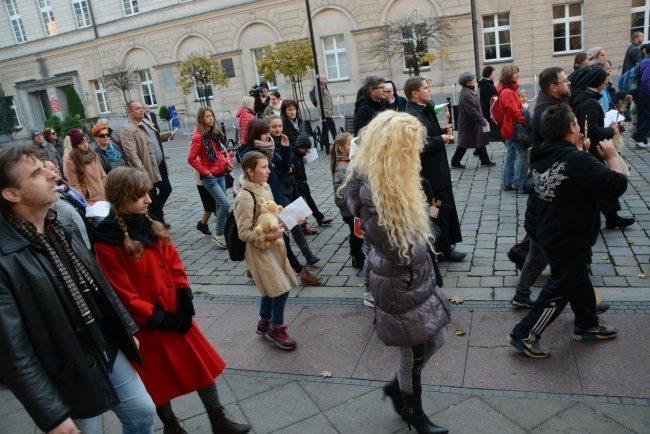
[409, 307]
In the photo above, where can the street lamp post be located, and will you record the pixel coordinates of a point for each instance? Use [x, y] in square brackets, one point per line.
[325, 140]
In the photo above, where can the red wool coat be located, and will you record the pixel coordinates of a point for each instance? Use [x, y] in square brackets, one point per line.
[175, 364]
[198, 158]
[511, 109]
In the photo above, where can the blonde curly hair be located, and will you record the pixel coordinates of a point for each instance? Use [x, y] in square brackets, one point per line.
[390, 160]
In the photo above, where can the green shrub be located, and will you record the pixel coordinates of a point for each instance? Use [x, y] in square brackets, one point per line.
[54, 122]
[71, 121]
[163, 113]
[75, 106]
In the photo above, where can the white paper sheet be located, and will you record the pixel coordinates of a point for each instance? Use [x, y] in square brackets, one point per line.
[613, 116]
[311, 155]
[99, 209]
[486, 128]
[296, 210]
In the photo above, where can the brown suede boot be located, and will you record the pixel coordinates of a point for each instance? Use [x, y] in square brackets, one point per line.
[222, 425]
[307, 278]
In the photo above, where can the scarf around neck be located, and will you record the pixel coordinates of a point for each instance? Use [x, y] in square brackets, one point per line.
[267, 148]
[112, 153]
[207, 145]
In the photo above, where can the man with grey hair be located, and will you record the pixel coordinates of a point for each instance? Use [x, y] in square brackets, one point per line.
[142, 143]
[369, 103]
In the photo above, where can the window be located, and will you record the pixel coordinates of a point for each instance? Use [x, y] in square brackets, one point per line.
[336, 59]
[48, 18]
[639, 22]
[14, 111]
[414, 43]
[567, 28]
[16, 22]
[81, 13]
[257, 54]
[130, 7]
[102, 97]
[204, 91]
[496, 37]
[148, 95]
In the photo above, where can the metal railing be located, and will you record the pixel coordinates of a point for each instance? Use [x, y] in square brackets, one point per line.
[338, 107]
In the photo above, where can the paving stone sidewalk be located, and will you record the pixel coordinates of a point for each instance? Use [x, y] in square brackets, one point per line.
[476, 383]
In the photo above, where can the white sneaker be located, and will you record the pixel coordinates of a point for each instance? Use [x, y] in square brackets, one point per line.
[219, 241]
[639, 144]
[368, 300]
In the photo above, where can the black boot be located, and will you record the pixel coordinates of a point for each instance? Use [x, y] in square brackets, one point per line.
[358, 261]
[391, 390]
[454, 256]
[414, 416]
[172, 426]
[222, 425]
[613, 220]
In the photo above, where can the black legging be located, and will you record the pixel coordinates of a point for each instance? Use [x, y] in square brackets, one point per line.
[293, 261]
[356, 243]
[412, 360]
[303, 189]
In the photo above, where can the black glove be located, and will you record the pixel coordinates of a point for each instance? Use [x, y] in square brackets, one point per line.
[186, 323]
[165, 320]
[185, 305]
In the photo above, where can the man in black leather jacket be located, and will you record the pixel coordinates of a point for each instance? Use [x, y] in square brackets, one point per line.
[64, 334]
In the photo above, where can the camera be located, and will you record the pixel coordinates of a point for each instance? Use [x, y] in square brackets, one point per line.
[256, 90]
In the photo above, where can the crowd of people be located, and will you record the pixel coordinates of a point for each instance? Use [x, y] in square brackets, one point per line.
[98, 313]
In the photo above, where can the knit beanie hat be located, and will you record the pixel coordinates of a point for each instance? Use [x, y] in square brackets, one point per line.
[593, 52]
[465, 78]
[303, 142]
[76, 137]
[35, 133]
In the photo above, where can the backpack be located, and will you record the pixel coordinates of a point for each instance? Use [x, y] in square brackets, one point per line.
[236, 247]
[629, 82]
[312, 96]
[496, 113]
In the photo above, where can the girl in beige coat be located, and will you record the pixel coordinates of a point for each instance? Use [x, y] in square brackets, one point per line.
[269, 266]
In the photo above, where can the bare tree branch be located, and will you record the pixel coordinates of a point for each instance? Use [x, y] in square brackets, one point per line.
[121, 77]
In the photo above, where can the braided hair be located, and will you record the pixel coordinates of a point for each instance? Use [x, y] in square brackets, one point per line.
[125, 184]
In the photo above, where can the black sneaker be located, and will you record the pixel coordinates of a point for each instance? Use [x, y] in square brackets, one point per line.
[601, 307]
[312, 259]
[203, 228]
[458, 166]
[524, 302]
[601, 331]
[529, 348]
[262, 327]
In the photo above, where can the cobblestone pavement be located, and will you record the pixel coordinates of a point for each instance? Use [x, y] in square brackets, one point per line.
[475, 383]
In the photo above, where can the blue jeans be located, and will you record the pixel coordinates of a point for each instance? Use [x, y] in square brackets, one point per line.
[216, 186]
[272, 309]
[515, 167]
[136, 409]
[536, 261]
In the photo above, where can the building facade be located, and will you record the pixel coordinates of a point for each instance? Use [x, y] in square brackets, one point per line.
[50, 44]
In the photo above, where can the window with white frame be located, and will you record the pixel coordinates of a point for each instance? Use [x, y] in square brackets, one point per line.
[130, 7]
[16, 21]
[102, 97]
[48, 18]
[496, 37]
[148, 94]
[640, 16]
[567, 28]
[414, 43]
[14, 111]
[258, 54]
[81, 13]
[336, 59]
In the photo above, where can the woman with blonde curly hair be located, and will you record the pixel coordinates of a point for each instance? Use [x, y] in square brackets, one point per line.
[143, 266]
[384, 191]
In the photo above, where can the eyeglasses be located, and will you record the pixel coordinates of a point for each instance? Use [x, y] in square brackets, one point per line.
[380, 87]
[560, 82]
[103, 136]
[53, 133]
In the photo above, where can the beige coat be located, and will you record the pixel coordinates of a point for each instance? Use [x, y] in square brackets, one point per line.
[327, 101]
[139, 148]
[92, 185]
[270, 267]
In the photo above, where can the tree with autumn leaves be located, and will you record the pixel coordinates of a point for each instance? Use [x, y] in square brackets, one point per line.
[293, 59]
[202, 71]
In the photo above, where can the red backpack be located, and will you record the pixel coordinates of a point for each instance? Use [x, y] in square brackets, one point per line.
[496, 113]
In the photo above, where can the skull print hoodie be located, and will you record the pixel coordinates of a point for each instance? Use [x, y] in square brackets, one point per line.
[568, 184]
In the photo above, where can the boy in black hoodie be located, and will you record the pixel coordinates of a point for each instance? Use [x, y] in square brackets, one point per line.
[568, 183]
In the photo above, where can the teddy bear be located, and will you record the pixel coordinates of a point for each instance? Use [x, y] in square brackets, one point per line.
[268, 221]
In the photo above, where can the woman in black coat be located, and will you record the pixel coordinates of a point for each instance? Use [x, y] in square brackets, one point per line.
[411, 310]
[291, 122]
[486, 90]
[470, 124]
[586, 84]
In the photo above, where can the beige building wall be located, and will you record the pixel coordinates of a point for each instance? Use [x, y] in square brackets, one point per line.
[164, 32]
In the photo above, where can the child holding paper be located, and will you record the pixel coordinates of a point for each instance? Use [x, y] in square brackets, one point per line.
[269, 267]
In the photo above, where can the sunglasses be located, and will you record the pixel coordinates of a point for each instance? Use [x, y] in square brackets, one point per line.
[103, 136]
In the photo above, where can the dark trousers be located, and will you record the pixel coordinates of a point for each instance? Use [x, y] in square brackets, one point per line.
[160, 193]
[460, 153]
[303, 189]
[643, 119]
[293, 261]
[331, 128]
[569, 283]
[356, 243]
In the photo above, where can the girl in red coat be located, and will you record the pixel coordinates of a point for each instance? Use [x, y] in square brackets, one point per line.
[139, 260]
[510, 105]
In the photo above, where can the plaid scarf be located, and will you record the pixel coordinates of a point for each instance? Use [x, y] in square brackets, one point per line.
[81, 296]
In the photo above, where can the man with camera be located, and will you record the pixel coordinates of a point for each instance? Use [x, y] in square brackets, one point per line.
[262, 99]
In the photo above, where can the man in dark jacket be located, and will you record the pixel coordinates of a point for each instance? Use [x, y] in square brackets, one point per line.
[435, 166]
[486, 90]
[634, 54]
[66, 338]
[554, 88]
[370, 103]
[568, 183]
